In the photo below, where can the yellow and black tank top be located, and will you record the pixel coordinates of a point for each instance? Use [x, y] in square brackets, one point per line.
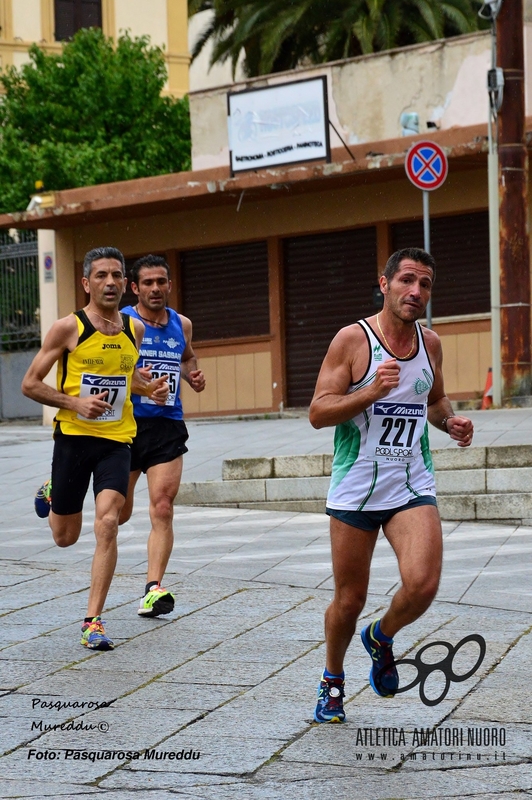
[99, 363]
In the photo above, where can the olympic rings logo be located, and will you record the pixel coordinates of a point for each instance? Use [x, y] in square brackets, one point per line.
[445, 666]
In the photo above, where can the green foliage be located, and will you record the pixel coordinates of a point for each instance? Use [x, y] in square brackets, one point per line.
[93, 114]
[276, 35]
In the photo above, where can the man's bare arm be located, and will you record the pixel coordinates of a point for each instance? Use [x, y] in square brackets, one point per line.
[348, 354]
[62, 336]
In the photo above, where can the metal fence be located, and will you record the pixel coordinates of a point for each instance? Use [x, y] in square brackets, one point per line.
[19, 291]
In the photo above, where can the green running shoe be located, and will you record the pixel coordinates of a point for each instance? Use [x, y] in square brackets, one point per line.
[43, 500]
[157, 601]
[93, 635]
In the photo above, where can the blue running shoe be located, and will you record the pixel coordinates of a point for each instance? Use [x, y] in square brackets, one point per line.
[93, 635]
[383, 675]
[43, 500]
[330, 707]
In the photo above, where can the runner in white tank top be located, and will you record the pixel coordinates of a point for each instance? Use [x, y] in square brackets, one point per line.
[392, 434]
[379, 384]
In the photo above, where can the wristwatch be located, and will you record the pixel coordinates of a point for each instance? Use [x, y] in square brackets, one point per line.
[444, 421]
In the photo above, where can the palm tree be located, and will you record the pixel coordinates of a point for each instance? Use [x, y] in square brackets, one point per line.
[276, 35]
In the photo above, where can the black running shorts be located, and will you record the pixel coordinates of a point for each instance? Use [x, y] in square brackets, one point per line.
[158, 441]
[371, 520]
[75, 459]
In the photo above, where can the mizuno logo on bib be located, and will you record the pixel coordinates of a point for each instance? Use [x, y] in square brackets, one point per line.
[394, 431]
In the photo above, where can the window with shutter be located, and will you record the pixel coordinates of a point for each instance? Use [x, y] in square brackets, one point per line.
[225, 291]
[328, 282]
[71, 15]
[460, 245]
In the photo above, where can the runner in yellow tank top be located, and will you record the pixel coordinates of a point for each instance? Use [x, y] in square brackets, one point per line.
[96, 350]
[369, 388]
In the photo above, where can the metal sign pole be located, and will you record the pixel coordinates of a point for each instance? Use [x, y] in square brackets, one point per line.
[426, 244]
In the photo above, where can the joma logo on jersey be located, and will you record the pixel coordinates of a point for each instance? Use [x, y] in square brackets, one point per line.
[111, 346]
[377, 354]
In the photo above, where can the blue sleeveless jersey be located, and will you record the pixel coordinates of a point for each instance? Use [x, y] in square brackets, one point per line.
[162, 347]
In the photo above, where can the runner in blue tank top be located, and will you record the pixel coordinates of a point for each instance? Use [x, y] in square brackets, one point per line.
[159, 445]
[380, 381]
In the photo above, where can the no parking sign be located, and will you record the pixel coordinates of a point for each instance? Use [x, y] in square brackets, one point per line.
[426, 165]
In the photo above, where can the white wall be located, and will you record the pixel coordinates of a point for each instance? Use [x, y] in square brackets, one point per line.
[200, 75]
[143, 17]
[27, 20]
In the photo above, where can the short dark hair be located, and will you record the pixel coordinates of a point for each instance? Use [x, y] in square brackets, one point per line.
[101, 252]
[414, 254]
[148, 261]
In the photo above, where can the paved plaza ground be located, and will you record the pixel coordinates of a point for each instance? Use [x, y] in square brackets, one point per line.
[215, 701]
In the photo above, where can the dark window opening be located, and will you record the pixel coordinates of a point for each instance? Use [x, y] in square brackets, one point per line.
[71, 15]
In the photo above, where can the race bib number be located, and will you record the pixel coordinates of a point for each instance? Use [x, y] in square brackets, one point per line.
[158, 368]
[394, 432]
[116, 388]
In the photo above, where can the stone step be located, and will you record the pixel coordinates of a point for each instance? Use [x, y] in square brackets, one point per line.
[470, 483]
[315, 465]
[503, 508]
[484, 483]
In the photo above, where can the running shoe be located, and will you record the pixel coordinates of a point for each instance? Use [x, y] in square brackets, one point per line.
[93, 635]
[157, 601]
[43, 500]
[383, 675]
[330, 706]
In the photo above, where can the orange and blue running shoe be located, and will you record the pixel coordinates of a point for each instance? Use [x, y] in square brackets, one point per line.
[93, 635]
[43, 500]
[383, 675]
[330, 706]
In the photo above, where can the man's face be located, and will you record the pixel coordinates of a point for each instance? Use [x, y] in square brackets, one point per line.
[106, 283]
[153, 288]
[406, 295]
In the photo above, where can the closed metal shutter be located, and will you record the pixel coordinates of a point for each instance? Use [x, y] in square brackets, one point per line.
[225, 290]
[460, 245]
[328, 284]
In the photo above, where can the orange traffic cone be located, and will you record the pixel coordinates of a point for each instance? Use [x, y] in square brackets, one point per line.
[487, 398]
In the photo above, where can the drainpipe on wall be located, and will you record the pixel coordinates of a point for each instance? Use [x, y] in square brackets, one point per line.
[513, 197]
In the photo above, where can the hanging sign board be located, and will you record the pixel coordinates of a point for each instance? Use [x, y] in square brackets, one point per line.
[281, 124]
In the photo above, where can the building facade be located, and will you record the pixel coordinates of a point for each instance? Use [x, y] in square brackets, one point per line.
[49, 22]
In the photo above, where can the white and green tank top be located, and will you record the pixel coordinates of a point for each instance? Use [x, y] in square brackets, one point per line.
[381, 456]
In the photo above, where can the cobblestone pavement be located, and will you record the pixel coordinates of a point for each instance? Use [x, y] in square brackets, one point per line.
[215, 701]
